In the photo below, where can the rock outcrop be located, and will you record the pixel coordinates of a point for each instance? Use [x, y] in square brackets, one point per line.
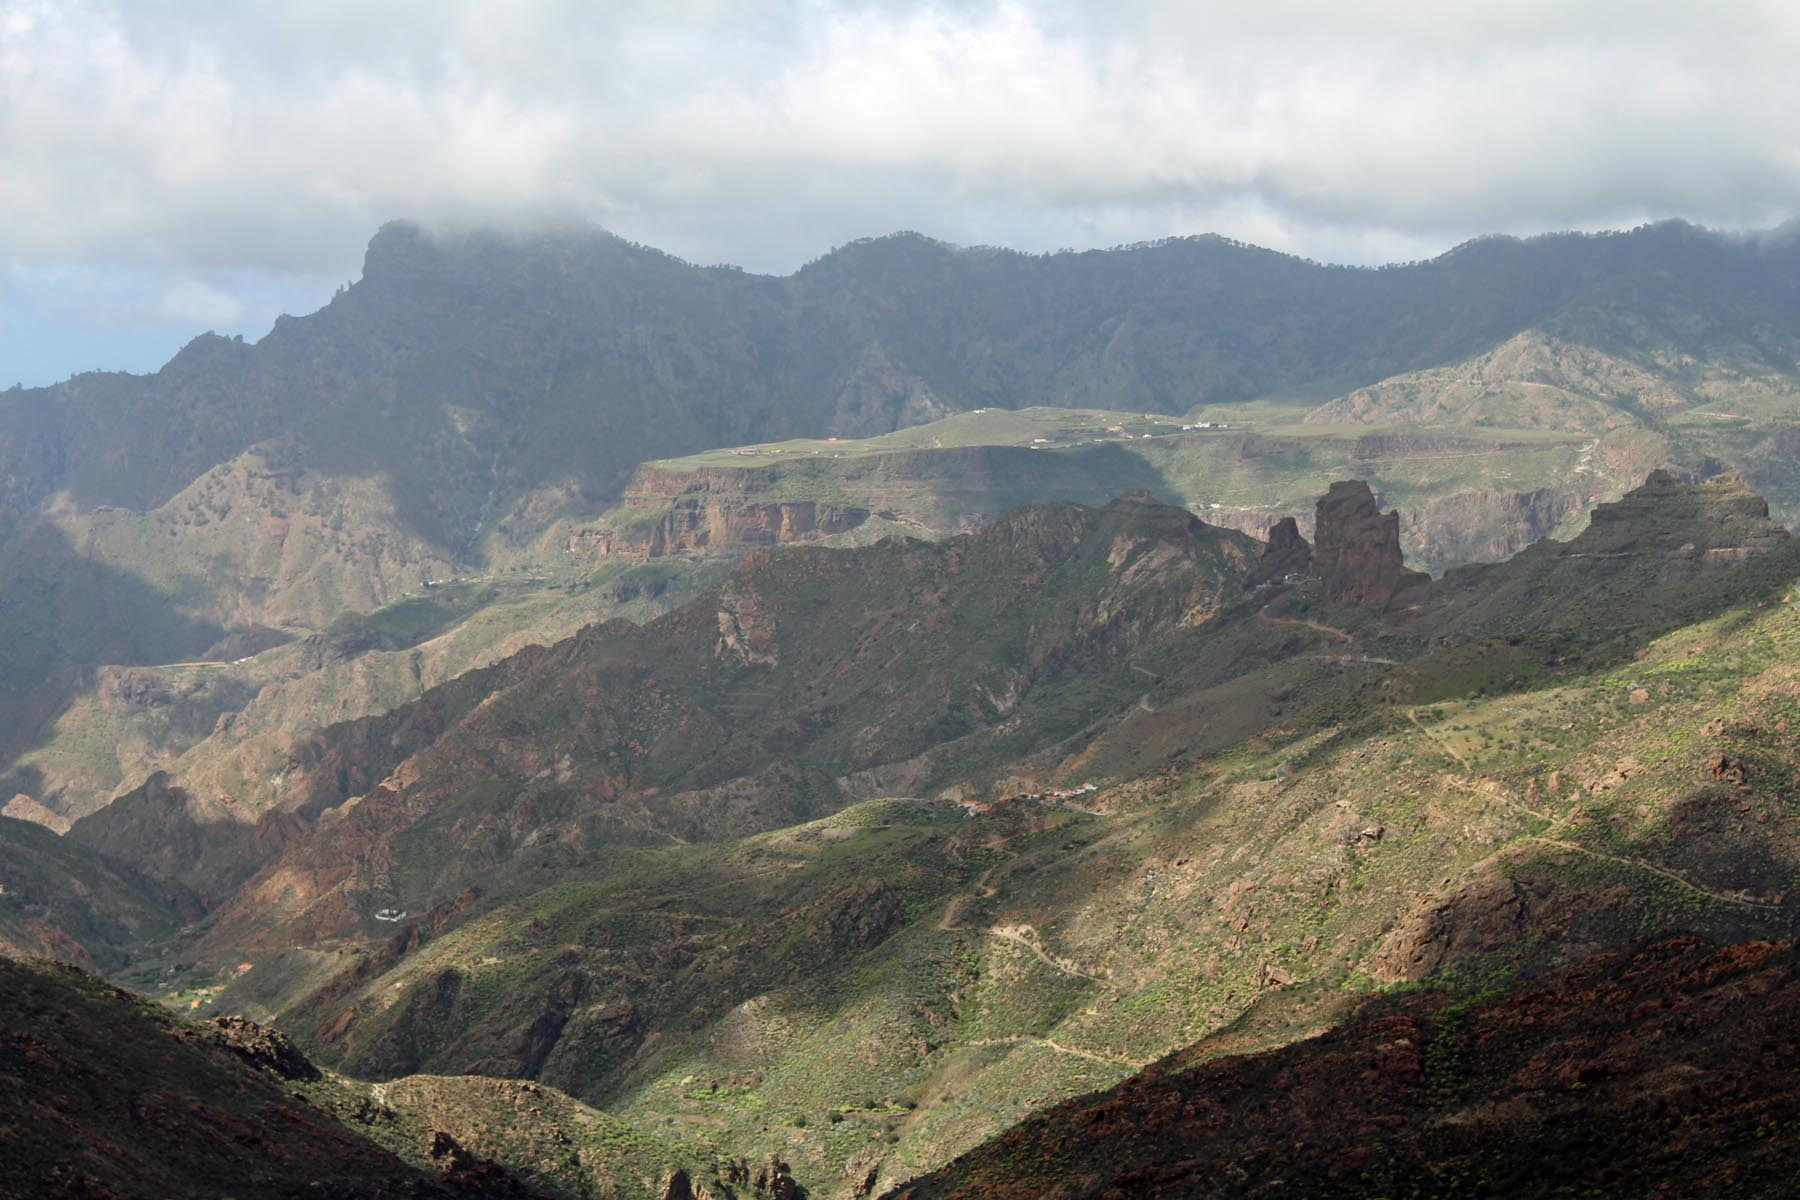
[264, 1048]
[1489, 524]
[1355, 556]
[747, 629]
[1287, 554]
[1481, 916]
[693, 524]
[1356, 548]
[768, 1178]
[710, 510]
[1719, 523]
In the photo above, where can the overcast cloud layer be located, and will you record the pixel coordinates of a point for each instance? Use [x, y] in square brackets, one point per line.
[168, 166]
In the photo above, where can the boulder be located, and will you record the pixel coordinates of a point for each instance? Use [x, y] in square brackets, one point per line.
[267, 1049]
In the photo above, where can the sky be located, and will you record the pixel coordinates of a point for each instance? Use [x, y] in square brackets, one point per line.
[173, 166]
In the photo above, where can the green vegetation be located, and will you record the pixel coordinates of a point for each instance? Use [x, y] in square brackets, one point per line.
[1356, 803]
[1616, 1076]
[707, 873]
[1008, 960]
[1249, 473]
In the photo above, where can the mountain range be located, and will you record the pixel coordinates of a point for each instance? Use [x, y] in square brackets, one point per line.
[645, 730]
[663, 868]
[479, 410]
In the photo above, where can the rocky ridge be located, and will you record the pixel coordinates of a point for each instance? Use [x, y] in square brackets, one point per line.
[485, 427]
[791, 709]
[391, 764]
[445, 404]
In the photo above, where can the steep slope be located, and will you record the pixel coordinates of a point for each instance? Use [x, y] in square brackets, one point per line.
[1635, 339]
[221, 723]
[618, 353]
[806, 679]
[1295, 802]
[1037, 950]
[218, 725]
[1464, 494]
[102, 1094]
[59, 899]
[569, 1150]
[468, 373]
[1668, 1071]
[1667, 553]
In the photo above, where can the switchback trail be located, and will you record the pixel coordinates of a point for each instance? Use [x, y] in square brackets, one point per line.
[1025, 936]
[1690, 885]
[1049, 1043]
[984, 890]
[1342, 635]
[1495, 792]
[1412, 714]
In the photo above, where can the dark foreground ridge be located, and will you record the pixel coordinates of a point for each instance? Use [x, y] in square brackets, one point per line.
[1670, 1071]
[104, 1095]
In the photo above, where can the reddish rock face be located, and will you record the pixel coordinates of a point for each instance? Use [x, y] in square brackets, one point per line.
[693, 524]
[1356, 548]
[711, 512]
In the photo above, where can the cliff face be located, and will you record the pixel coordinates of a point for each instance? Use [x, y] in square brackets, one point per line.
[736, 713]
[1356, 548]
[1488, 524]
[1659, 554]
[717, 511]
[710, 523]
[1286, 554]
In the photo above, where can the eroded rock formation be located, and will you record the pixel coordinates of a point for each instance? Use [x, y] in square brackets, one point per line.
[1287, 553]
[1356, 548]
[1355, 557]
[710, 510]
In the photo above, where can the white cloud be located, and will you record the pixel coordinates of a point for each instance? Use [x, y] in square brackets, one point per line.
[193, 301]
[175, 136]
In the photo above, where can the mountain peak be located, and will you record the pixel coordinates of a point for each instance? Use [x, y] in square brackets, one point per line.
[396, 241]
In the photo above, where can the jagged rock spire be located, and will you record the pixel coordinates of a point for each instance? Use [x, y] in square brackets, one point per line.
[1355, 555]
